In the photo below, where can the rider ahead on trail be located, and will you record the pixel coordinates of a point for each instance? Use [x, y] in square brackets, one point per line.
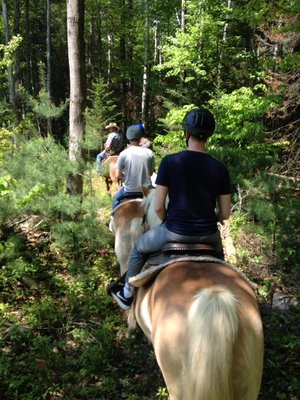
[112, 146]
[194, 182]
[135, 166]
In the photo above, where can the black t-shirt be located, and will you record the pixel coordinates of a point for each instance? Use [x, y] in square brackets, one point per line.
[194, 181]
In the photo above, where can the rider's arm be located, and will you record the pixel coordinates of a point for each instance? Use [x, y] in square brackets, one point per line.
[108, 142]
[224, 206]
[160, 201]
[119, 174]
[152, 166]
[107, 147]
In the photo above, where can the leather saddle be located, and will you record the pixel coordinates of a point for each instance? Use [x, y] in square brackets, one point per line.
[188, 248]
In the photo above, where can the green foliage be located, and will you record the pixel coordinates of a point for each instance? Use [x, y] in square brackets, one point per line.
[291, 62]
[5, 182]
[60, 333]
[239, 115]
[7, 52]
[5, 142]
[174, 139]
[182, 57]
[37, 186]
[76, 237]
[281, 349]
[42, 106]
[100, 111]
[38, 169]
[215, 40]
[240, 137]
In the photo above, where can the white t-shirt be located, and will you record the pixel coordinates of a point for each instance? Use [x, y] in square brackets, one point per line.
[137, 164]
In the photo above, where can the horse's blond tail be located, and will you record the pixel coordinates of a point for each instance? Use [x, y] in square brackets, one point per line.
[212, 331]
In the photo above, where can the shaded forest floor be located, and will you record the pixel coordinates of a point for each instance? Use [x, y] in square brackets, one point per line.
[62, 337]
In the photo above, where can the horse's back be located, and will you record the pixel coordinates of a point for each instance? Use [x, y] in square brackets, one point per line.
[109, 163]
[222, 299]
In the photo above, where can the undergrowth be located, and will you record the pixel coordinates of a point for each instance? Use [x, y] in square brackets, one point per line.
[62, 337]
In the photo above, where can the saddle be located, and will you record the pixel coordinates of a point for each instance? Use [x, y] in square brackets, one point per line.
[132, 195]
[188, 248]
[174, 252]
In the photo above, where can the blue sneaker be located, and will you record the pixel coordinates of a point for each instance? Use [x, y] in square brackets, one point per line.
[118, 295]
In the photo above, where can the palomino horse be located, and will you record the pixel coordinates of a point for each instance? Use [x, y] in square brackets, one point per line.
[125, 235]
[109, 173]
[205, 327]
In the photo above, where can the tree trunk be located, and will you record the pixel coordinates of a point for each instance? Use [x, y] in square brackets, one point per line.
[17, 32]
[75, 27]
[146, 68]
[182, 18]
[109, 57]
[48, 40]
[156, 56]
[221, 52]
[28, 71]
[100, 46]
[11, 84]
[17, 76]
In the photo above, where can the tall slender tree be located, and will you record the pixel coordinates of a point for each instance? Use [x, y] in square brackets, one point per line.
[48, 40]
[11, 83]
[146, 67]
[75, 27]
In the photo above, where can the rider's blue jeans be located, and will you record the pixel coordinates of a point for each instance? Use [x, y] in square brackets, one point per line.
[121, 193]
[100, 157]
[153, 240]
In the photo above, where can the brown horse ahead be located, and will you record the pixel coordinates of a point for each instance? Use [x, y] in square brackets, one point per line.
[204, 323]
[109, 174]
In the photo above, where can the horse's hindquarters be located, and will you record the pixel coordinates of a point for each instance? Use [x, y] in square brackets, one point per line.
[124, 215]
[224, 333]
[109, 174]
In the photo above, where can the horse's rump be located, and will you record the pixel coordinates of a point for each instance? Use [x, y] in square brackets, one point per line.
[125, 235]
[206, 331]
[108, 172]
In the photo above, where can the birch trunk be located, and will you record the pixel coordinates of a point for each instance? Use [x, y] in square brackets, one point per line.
[224, 40]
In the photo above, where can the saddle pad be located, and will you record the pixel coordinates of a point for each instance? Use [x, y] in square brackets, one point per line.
[160, 261]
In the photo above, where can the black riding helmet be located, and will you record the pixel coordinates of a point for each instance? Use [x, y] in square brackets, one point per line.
[135, 132]
[199, 122]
